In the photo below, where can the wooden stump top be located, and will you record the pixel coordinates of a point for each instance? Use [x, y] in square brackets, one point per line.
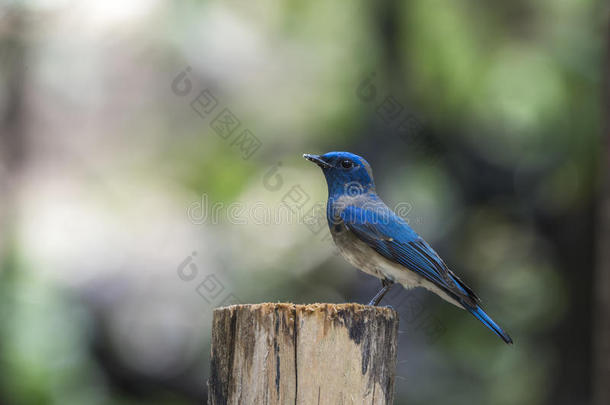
[278, 353]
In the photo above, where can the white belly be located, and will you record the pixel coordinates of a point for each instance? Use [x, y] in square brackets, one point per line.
[365, 258]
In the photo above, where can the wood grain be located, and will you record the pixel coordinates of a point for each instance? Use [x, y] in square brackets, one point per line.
[303, 354]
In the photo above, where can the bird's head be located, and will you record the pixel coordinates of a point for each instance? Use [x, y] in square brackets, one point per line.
[345, 173]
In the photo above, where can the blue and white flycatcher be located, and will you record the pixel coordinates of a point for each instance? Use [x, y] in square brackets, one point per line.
[374, 239]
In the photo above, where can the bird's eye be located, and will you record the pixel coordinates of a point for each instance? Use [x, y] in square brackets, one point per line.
[347, 164]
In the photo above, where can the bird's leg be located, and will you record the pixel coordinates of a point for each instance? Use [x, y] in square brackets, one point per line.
[387, 284]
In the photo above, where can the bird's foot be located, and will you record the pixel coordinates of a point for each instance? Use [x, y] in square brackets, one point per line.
[387, 284]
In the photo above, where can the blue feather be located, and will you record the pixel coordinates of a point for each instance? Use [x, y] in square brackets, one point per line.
[391, 237]
[483, 317]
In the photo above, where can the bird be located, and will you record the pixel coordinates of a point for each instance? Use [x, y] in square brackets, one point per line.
[371, 237]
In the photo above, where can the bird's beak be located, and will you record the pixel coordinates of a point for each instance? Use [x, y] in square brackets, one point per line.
[317, 160]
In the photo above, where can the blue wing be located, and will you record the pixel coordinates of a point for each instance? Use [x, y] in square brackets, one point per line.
[390, 236]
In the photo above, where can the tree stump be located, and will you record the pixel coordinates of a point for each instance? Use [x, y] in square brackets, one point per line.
[303, 354]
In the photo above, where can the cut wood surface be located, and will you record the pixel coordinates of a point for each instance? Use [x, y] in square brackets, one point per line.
[303, 354]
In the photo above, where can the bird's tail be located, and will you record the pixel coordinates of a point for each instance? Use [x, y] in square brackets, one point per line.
[478, 312]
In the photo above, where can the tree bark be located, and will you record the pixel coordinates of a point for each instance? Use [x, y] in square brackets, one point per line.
[303, 354]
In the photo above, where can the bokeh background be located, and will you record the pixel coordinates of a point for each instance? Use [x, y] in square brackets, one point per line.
[151, 170]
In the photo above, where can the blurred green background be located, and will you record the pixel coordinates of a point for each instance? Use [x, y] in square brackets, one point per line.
[131, 205]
